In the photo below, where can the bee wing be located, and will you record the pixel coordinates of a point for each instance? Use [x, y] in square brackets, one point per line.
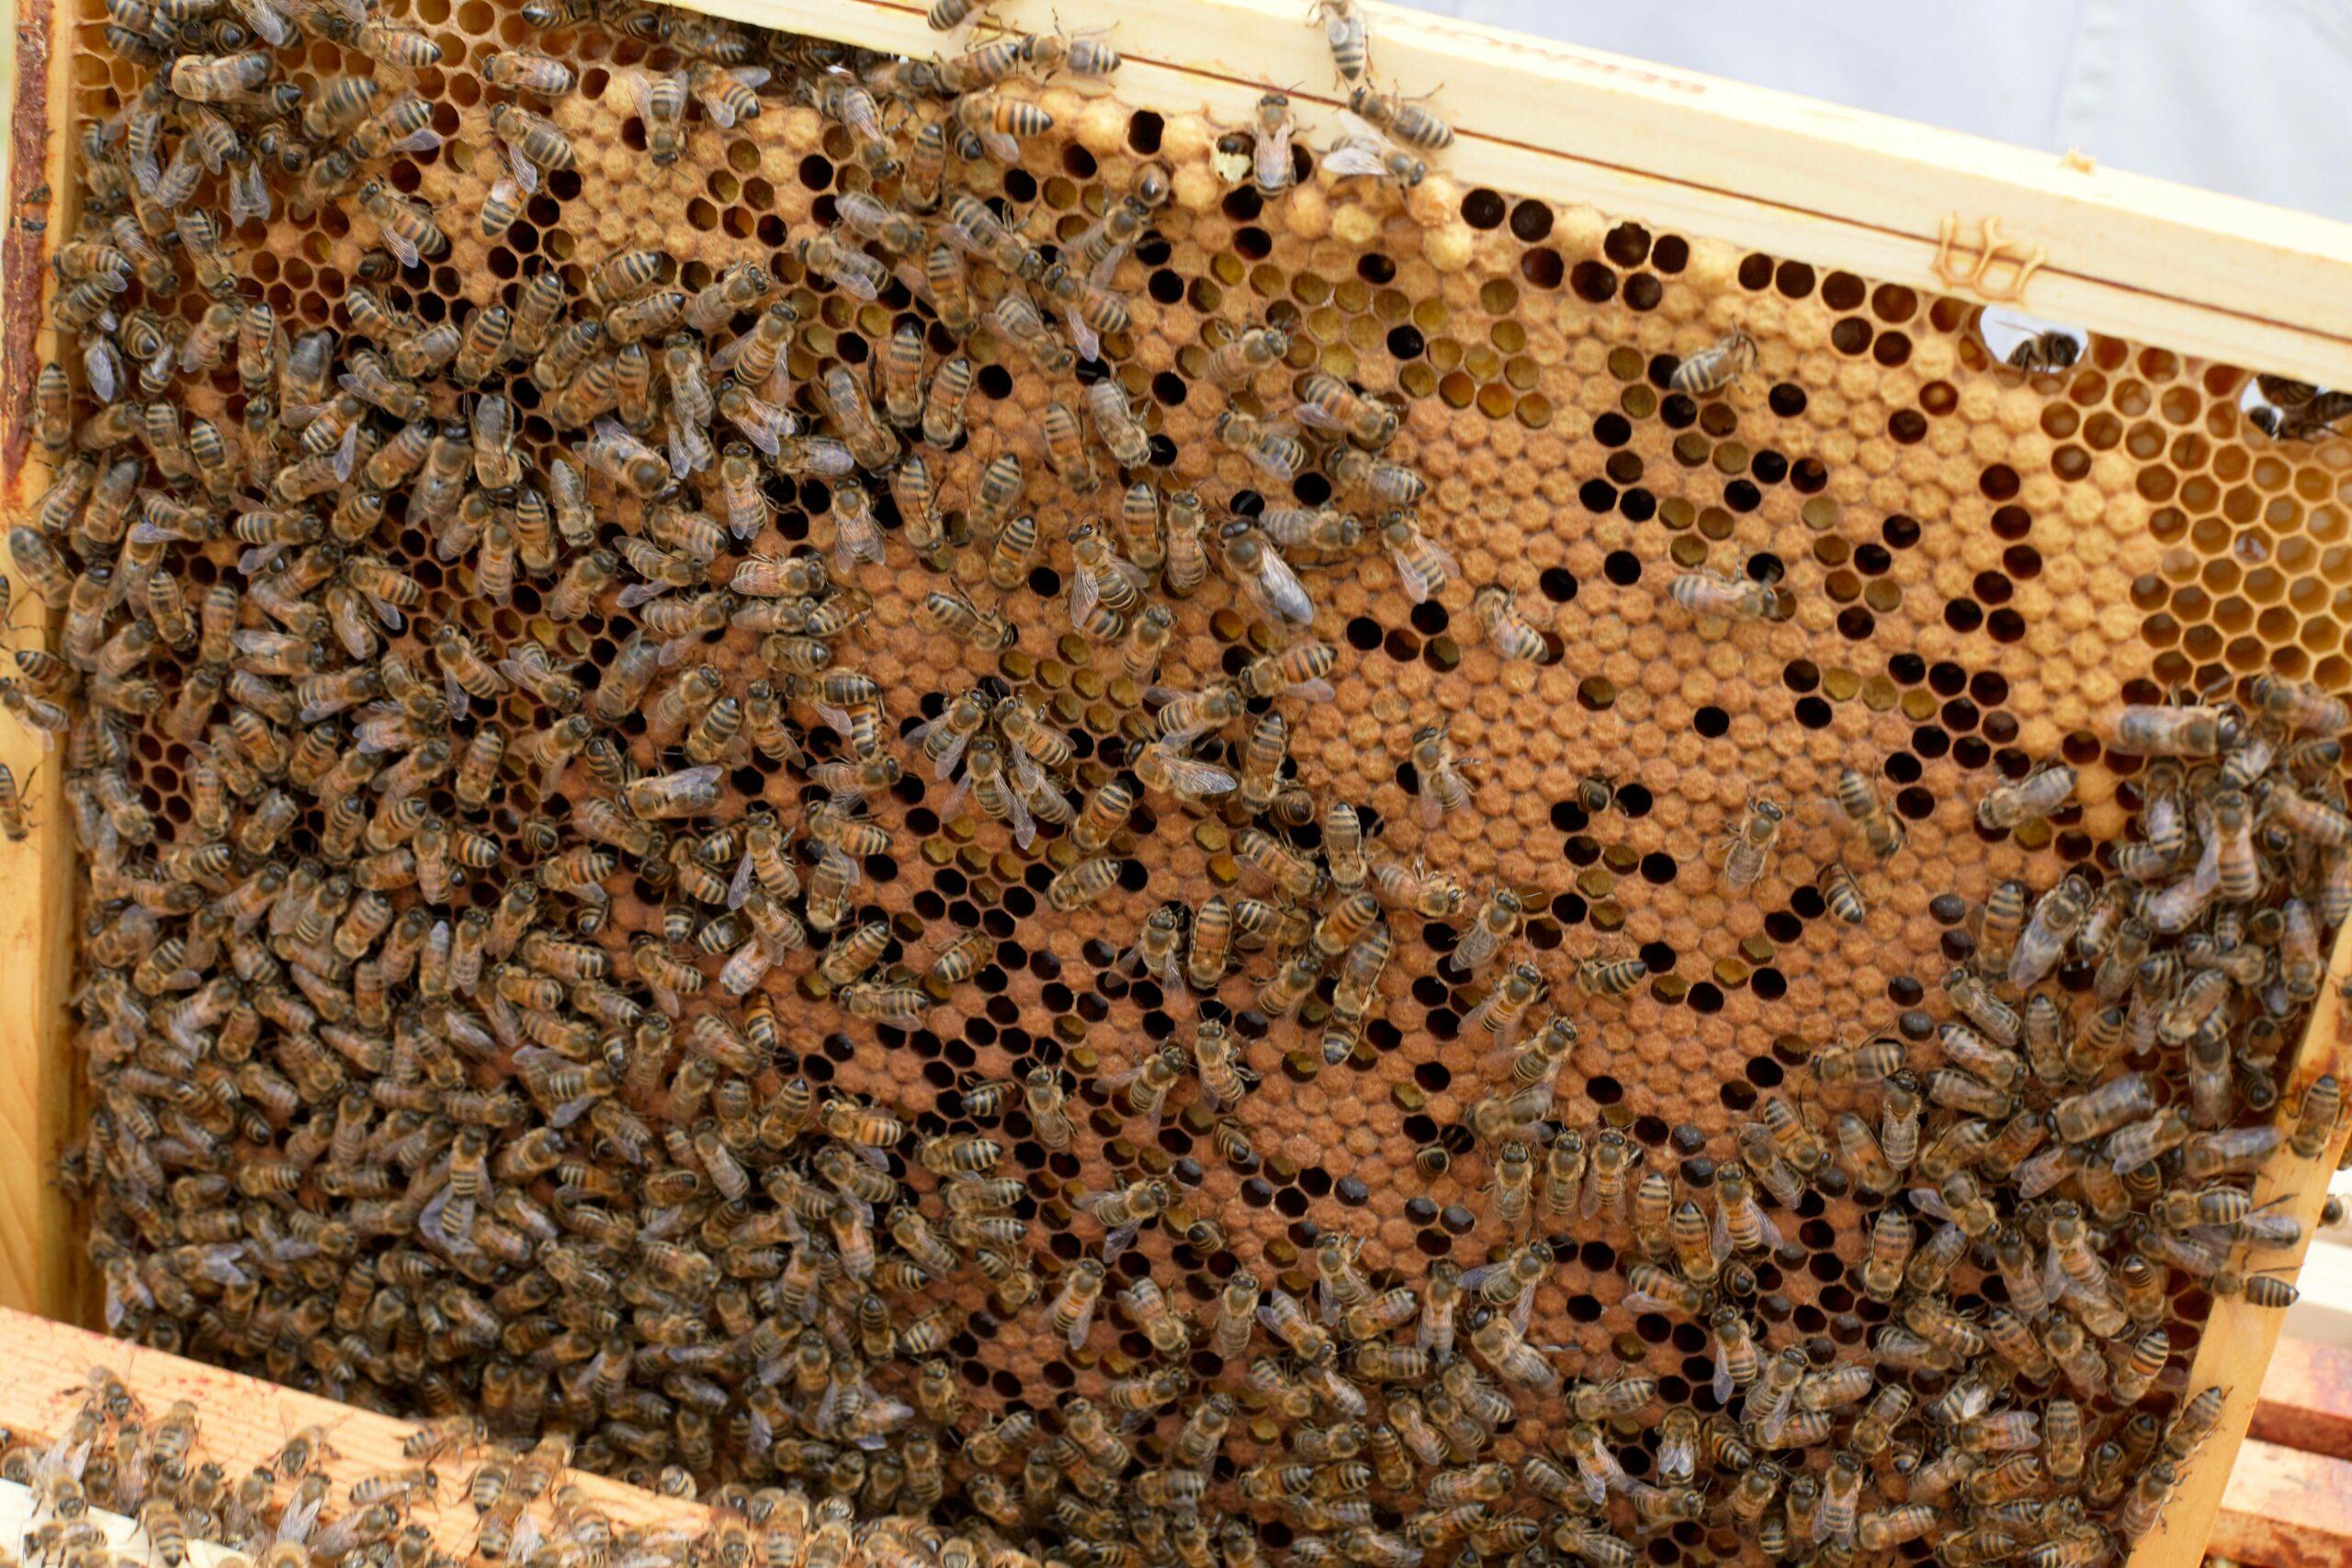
[403, 252]
[1089, 345]
[1408, 575]
[1025, 826]
[1315, 418]
[1108, 266]
[640, 93]
[1001, 146]
[1285, 595]
[1724, 1385]
[1196, 777]
[1351, 157]
[249, 194]
[751, 76]
[1083, 595]
[346, 453]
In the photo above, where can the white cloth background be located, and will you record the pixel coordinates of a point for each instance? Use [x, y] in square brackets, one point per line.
[2253, 98]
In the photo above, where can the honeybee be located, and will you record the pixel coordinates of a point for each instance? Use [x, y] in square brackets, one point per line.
[2038, 794]
[1725, 596]
[1717, 367]
[2046, 352]
[1748, 845]
[1268, 163]
[1398, 117]
[407, 227]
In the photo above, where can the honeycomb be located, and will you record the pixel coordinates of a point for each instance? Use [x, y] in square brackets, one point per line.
[1964, 570]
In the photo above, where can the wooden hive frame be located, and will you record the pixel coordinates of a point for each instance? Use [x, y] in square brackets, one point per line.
[2201, 272]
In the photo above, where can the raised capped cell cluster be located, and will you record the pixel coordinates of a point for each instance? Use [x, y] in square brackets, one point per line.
[1163, 838]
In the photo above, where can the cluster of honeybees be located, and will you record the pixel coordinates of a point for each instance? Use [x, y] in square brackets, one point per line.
[116, 1457]
[373, 1110]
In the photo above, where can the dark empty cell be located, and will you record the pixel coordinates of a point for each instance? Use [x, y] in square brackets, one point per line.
[1557, 583]
[1850, 335]
[1643, 291]
[1705, 997]
[1907, 425]
[1531, 221]
[1243, 204]
[1628, 245]
[1658, 956]
[1769, 468]
[1788, 399]
[1963, 614]
[1402, 646]
[1711, 722]
[1253, 242]
[1970, 752]
[1813, 713]
[1621, 568]
[1915, 802]
[1960, 715]
[1800, 675]
[2005, 624]
[1992, 588]
[1755, 271]
[1677, 411]
[1603, 1091]
[1169, 390]
[2022, 563]
[1768, 984]
[1144, 130]
[1793, 278]
[1808, 476]
[1634, 800]
[1623, 467]
[1736, 1097]
[1364, 634]
[1482, 208]
[1637, 505]
[2011, 523]
[1543, 266]
[1430, 617]
[1892, 349]
[1405, 342]
[1671, 254]
[2000, 727]
[1165, 286]
[1782, 926]
[1375, 267]
[1613, 429]
[1900, 767]
[816, 172]
[1598, 496]
[1947, 679]
[1742, 497]
[994, 382]
[1930, 741]
[1999, 482]
[1657, 868]
[1593, 282]
[1581, 850]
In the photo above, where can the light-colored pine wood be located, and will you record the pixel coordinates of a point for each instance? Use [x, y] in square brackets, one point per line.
[40, 1265]
[2168, 264]
[2239, 1338]
[243, 1421]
